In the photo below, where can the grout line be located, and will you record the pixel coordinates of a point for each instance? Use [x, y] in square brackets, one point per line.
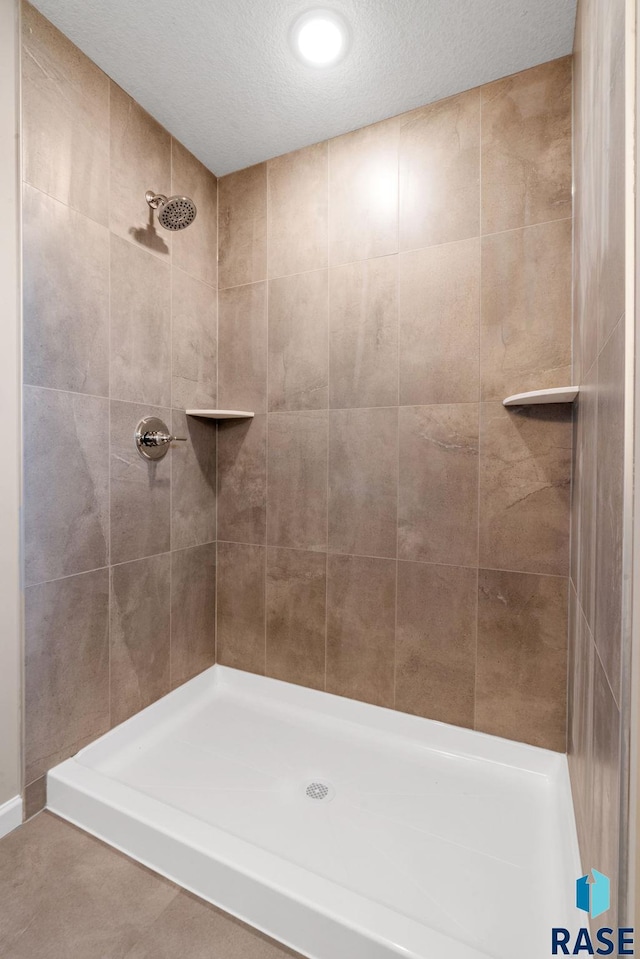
[399, 559]
[412, 250]
[126, 562]
[604, 672]
[95, 396]
[193, 276]
[175, 549]
[366, 409]
[69, 205]
[142, 559]
[55, 389]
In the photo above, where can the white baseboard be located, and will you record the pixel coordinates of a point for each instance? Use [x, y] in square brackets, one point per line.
[10, 815]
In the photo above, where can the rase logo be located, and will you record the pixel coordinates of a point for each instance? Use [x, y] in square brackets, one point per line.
[593, 895]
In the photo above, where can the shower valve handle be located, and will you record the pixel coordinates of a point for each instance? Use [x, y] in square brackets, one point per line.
[157, 438]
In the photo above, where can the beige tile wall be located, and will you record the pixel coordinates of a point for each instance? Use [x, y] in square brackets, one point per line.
[597, 645]
[387, 530]
[119, 323]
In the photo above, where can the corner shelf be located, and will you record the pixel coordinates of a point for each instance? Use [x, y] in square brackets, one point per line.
[221, 414]
[559, 394]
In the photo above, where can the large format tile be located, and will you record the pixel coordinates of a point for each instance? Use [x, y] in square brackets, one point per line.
[525, 480]
[611, 280]
[363, 481]
[363, 193]
[65, 297]
[440, 172]
[242, 226]
[575, 504]
[578, 285]
[240, 637]
[66, 484]
[526, 147]
[140, 617]
[361, 595]
[439, 320]
[296, 616]
[195, 250]
[298, 342]
[298, 205]
[580, 720]
[193, 343]
[585, 490]
[193, 612]
[65, 119]
[140, 326]
[609, 507]
[66, 668]
[522, 657]
[140, 489]
[525, 341]
[193, 481]
[297, 480]
[438, 484]
[242, 480]
[242, 348]
[363, 334]
[140, 152]
[606, 783]
[588, 245]
[436, 642]
[65, 894]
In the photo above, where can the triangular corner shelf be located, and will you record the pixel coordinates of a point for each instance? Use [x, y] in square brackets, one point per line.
[559, 394]
[221, 414]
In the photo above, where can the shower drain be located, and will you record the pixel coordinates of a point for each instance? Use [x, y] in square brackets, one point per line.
[319, 791]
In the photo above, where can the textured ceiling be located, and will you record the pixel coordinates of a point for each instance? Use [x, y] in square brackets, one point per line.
[220, 75]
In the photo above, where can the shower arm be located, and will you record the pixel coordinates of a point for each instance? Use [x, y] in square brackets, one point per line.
[154, 199]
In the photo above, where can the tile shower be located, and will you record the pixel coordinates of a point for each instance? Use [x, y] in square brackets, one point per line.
[386, 530]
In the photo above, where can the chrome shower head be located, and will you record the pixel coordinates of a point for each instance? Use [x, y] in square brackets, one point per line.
[174, 213]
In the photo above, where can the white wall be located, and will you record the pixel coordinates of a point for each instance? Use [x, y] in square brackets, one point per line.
[10, 596]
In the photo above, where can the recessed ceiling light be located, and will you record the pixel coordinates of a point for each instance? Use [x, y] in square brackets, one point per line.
[320, 37]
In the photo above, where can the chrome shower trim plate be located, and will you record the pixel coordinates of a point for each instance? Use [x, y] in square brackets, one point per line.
[153, 438]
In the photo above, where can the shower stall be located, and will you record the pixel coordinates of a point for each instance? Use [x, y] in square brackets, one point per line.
[327, 484]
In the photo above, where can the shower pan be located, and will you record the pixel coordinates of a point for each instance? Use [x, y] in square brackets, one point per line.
[344, 830]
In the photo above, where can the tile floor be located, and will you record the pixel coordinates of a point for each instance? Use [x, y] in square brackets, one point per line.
[66, 895]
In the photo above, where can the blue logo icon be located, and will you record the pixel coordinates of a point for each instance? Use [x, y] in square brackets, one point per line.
[593, 895]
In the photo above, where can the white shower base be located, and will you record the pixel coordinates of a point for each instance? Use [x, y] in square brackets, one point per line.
[433, 842]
